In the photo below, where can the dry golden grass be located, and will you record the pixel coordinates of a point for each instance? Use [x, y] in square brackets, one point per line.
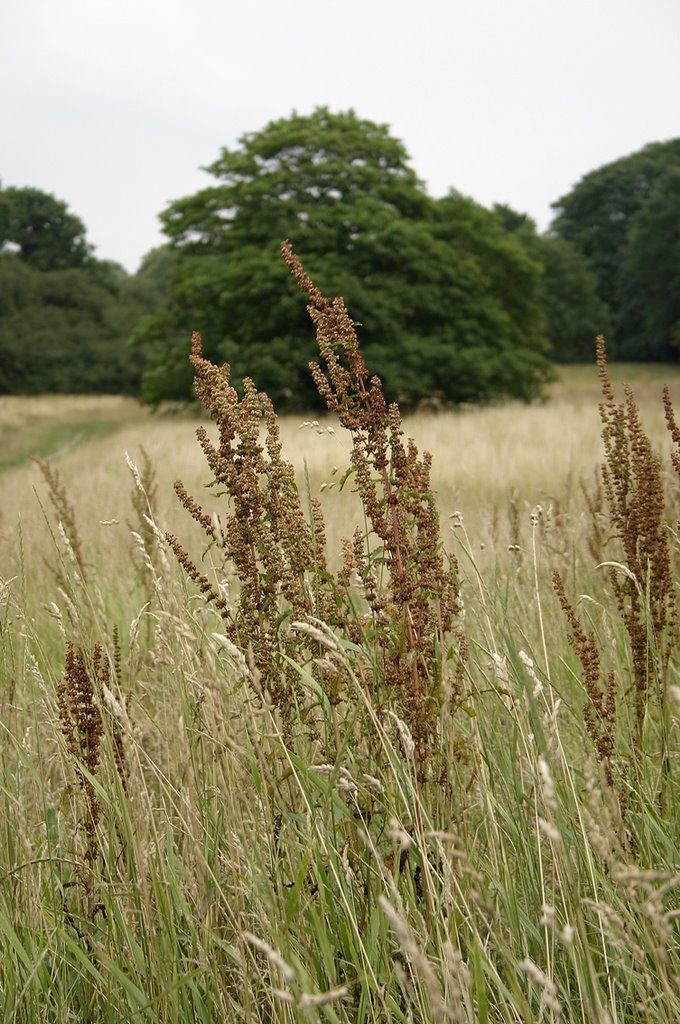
[22, 411]
[493, 465]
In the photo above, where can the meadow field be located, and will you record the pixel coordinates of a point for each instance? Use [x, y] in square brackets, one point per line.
[252, 772]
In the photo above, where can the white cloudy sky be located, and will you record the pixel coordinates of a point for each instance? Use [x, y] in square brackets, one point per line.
[114, 105]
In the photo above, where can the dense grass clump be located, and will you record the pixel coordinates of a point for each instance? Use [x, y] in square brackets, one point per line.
[285, 768]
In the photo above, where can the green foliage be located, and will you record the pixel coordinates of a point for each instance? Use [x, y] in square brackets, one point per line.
[66, 330]
[606, 216]
[65, 317]
[41, 229]
[573, 312]
[154, 272]
[650, 311]
[446, 302]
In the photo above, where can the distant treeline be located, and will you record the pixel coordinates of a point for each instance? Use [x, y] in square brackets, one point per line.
[456, 303]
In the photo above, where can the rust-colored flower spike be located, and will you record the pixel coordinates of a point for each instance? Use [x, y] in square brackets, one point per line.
[599, 711]
[343, 388]
[82, 726]
[64, 510]
[674, 430]
[633, 486]
[264, 533]
[420, 597]
[279, 556]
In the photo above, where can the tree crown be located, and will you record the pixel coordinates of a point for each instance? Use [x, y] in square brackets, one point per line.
[42, 230]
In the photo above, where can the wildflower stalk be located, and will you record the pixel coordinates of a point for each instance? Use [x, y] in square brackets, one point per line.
[407, 584]
[632, 481]
[420, 593]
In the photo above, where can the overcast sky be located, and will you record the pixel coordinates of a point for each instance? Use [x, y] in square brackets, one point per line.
[114, 105]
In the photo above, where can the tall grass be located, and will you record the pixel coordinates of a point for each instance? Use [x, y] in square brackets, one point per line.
[249, 773]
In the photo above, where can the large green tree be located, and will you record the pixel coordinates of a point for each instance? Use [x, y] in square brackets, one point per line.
[65, 317]
[650, 276]
[42, 230]
[446, 301]
[573, 312]
[602, 215]
[67, 330]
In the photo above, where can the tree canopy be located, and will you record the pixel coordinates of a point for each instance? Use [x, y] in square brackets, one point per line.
[65, 317]
[625, 219]
[67, 330]
[454, 303]
[650, 276]
[573, 312]
[41, 230]
[447, 302]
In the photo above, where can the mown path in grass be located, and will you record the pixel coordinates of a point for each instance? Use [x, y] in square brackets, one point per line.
[48, 425]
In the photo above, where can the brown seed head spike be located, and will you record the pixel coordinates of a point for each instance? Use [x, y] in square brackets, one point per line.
[304, 281]
[419, 595]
